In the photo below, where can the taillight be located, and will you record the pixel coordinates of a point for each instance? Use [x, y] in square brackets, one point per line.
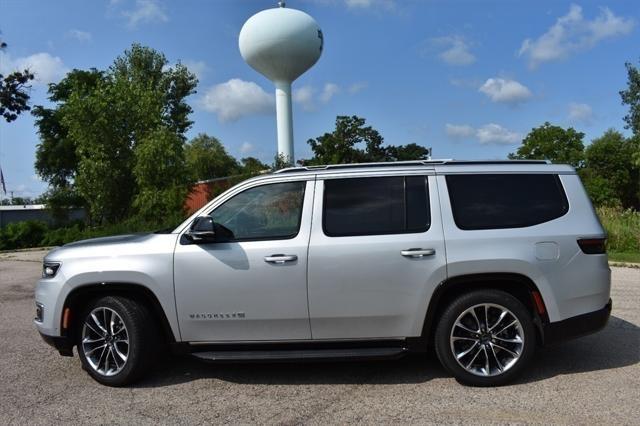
[593, 245]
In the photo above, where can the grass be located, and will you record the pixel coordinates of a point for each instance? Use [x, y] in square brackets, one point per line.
[623, 229]
[624, 256]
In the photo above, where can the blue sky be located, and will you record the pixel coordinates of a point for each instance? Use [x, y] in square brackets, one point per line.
[468, 78]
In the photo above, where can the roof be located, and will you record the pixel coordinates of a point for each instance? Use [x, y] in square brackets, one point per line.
[444, 166]
[23, 207]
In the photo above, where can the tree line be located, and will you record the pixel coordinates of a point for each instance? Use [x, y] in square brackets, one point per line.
[113, 141]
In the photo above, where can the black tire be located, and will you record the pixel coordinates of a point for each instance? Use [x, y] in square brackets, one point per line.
[503, 365]
[142, 337]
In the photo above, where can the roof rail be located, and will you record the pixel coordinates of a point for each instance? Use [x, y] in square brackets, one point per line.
[405, 163]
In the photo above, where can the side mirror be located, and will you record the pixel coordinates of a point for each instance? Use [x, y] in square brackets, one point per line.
[202, 230]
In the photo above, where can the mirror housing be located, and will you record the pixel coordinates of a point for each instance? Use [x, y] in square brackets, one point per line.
[202, 230]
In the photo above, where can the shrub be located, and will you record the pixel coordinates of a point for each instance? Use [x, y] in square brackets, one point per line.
[623, 228]
[25, 234]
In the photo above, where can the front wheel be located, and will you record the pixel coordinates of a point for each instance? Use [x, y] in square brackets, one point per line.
[116, 340]
[485, 338]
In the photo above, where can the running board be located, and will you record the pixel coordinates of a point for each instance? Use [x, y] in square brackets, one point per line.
[302, 355]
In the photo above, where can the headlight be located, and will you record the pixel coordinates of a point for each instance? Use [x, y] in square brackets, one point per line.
[50, 269]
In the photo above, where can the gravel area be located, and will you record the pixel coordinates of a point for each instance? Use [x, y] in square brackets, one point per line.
[595, 379]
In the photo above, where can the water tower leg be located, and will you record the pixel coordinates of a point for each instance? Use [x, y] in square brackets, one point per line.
[285, 121]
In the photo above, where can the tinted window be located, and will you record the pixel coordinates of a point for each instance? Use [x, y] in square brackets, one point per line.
[495, 201]
[264, 212]
[369, 206]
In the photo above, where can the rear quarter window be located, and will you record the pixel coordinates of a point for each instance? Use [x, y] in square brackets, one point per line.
[498, 201]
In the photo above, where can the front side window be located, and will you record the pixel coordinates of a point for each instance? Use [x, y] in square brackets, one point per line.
[498, 201]
[264, 212]
[376, 206]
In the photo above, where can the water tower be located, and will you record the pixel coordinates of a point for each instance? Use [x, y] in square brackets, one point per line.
[281, 44]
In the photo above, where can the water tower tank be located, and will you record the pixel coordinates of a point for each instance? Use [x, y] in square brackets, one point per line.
[281, 44]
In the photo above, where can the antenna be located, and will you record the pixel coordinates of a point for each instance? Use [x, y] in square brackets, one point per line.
[281, 44]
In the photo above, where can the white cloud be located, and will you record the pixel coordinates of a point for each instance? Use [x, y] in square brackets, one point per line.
[456, 50]
[82, 36]
[357, 87]
[367, 4]
[145, 11]
[246, 148]
[507, 91]
[496, 134]
[580, 113]
[572, 33]
[328, 92]
[307, 98]
[304, 96]
[237, 98]
[459, 131]
[46, 68]
[488, 134]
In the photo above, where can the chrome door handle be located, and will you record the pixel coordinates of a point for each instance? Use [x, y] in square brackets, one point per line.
[417, 252]
[280, 258]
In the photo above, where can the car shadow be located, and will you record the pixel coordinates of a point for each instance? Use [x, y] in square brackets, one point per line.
[616, 346]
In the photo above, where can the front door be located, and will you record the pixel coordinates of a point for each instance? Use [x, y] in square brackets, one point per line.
[254, 286]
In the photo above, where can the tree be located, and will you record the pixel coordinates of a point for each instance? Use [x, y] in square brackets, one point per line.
[207, 158]
[548, 142]
[252, 166]
[610, 174]
[631, 97]
[101, 118]
[353, 142]
[14, 92]
[408, 152]
[161, 176]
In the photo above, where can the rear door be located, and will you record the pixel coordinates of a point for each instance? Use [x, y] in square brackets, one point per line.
[375, 256]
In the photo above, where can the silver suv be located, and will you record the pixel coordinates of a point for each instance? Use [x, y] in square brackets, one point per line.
[483, 261]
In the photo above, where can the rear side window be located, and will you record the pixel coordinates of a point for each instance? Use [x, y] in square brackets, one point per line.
[375, 206]
[496, 201]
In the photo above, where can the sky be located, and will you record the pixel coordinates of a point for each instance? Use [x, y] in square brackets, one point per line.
[467, 78]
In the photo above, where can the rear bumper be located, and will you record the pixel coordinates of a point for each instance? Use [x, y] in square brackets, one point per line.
[62, 344]
[577, 326]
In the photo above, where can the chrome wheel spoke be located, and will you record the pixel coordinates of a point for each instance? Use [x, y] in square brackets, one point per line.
[474, 358]
[500, 318]
[105, 341]
[466, 352]
[511, 324]
[484, 352]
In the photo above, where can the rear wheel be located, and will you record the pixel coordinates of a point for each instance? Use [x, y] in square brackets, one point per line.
[116, 340]
[485, 338]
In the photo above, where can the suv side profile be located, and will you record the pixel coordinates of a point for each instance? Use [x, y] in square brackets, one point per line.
[483, 261]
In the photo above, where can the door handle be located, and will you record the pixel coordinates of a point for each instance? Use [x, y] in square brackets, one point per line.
[280, 258]
[418, 252]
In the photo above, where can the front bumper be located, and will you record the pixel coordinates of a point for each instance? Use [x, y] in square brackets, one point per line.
[577, 326]
[63, 344]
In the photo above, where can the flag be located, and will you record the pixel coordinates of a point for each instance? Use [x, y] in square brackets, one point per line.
[2, 185]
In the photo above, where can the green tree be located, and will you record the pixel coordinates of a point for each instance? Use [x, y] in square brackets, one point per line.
[354, 142]
[207, 158]
[14, 92]
[610, 174]
[102, 118]
[408, 152]
[631, 97]
[161, 176]
[549, 142]
[252, 166]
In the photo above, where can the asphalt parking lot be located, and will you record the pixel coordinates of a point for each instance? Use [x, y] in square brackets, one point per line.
[595, 379]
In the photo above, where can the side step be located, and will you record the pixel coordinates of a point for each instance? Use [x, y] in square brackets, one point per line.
[302, 355]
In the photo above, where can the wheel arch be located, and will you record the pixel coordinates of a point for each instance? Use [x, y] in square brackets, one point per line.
[80, 296]
[518, 285]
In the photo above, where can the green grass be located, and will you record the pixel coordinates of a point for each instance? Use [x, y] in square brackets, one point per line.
[623, 230]
[624, 257]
